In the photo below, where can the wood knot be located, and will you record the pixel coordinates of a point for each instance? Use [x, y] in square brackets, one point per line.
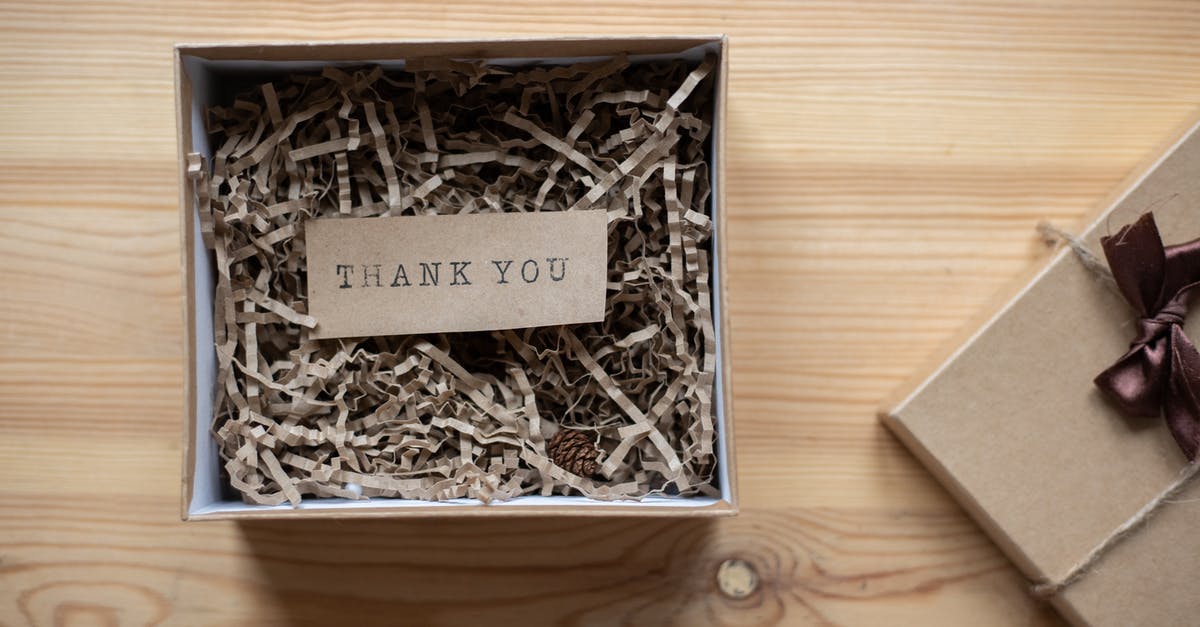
[737, 579]
[574, 452]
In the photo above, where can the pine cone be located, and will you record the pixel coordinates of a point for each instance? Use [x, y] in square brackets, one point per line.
[574, 452]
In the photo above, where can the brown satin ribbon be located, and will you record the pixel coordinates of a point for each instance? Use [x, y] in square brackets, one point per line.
[1160, 375]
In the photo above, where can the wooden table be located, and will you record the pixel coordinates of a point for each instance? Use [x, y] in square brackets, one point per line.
[887, 165]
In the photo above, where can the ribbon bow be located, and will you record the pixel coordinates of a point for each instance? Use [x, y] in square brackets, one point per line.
[1160, 375]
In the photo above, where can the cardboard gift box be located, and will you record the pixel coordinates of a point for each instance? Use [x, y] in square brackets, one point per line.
[1009, 420]
[208, 75]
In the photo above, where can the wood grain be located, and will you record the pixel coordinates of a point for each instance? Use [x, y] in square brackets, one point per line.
[887, 163]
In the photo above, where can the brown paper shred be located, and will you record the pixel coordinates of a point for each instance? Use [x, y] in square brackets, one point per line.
[466, 415]
[553, 142]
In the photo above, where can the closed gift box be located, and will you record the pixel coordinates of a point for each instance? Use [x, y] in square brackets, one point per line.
[1010, 421]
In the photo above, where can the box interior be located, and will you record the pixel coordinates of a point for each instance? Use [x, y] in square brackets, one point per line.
[215, 80]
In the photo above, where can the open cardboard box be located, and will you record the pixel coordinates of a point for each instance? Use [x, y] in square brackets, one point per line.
[207, 74]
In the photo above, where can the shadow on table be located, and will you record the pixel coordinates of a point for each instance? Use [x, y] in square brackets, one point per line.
[484, 571]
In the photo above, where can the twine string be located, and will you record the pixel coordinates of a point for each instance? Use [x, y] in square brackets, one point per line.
[1090, 260]
[1047, 589]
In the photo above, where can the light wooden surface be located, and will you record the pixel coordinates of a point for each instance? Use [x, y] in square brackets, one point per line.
[887, 164]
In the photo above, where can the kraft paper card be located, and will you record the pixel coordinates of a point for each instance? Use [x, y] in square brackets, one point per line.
[448, 273]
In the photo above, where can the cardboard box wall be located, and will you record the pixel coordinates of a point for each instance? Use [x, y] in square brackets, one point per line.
[205, 72]
[1009, 421]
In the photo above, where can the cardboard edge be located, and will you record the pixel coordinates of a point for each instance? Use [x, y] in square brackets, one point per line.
[979, 515]
[721, 208]
[966, 335]
[720, 509]
[727, 506]
[357, 50]
[183, 99]
[961, 496]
